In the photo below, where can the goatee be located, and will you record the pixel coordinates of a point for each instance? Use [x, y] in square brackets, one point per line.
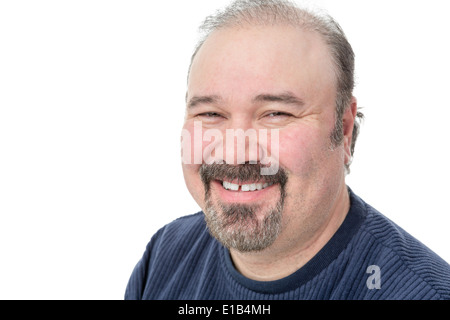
[237, 225]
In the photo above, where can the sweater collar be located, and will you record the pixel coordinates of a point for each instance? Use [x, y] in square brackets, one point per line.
[320, 261]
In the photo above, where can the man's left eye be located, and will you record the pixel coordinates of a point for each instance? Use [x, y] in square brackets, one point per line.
[278, 114]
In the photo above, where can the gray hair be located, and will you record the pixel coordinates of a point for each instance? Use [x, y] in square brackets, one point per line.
[283, 12]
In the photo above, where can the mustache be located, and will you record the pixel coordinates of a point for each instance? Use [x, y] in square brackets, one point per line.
[242, 173]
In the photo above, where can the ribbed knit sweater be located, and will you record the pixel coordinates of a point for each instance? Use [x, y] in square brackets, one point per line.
[369, 257]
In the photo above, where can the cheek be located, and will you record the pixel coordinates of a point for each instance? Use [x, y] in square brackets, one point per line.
[298, 150]
[201, 145]
[194, 183]
[191, 144]
[191, 158]
[315, 170]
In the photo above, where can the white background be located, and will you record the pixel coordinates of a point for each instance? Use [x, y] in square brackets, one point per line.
[91, 109]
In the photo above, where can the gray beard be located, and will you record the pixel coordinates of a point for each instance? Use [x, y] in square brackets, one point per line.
[237, 226]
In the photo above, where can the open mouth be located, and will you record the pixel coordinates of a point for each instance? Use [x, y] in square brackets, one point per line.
[241, 184]
[243, 191]
[245, 187]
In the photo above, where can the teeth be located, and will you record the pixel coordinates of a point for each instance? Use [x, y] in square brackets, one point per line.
[230, 186]
[245, 187]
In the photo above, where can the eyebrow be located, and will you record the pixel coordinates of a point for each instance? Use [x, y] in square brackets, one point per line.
[196, 100]
[286, 98]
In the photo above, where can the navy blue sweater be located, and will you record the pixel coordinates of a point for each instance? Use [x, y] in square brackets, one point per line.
[369, 257]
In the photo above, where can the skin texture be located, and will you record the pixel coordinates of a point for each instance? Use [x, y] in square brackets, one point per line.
[236, 65]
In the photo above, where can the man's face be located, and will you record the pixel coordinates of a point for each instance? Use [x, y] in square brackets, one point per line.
[279, 79]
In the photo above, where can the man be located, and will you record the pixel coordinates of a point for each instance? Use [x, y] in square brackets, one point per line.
[277, 220]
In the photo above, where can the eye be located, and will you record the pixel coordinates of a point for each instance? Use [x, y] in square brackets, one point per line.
[210, 118]
[278, 114]
[209, 115]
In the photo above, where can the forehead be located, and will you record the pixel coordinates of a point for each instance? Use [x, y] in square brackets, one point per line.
[242, 61]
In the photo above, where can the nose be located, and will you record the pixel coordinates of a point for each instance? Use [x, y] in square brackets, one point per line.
[237, 143]
[242, 142]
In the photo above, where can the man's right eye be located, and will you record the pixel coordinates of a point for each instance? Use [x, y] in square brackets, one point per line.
[209, 115]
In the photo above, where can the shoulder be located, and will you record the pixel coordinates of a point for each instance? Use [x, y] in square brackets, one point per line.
[186, 226]
[182, 234]
[172, 247]
[408, 267]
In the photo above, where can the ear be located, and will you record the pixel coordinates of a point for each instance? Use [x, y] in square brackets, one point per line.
[348, 121]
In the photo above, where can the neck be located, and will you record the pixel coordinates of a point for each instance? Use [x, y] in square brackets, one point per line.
[287, 255]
